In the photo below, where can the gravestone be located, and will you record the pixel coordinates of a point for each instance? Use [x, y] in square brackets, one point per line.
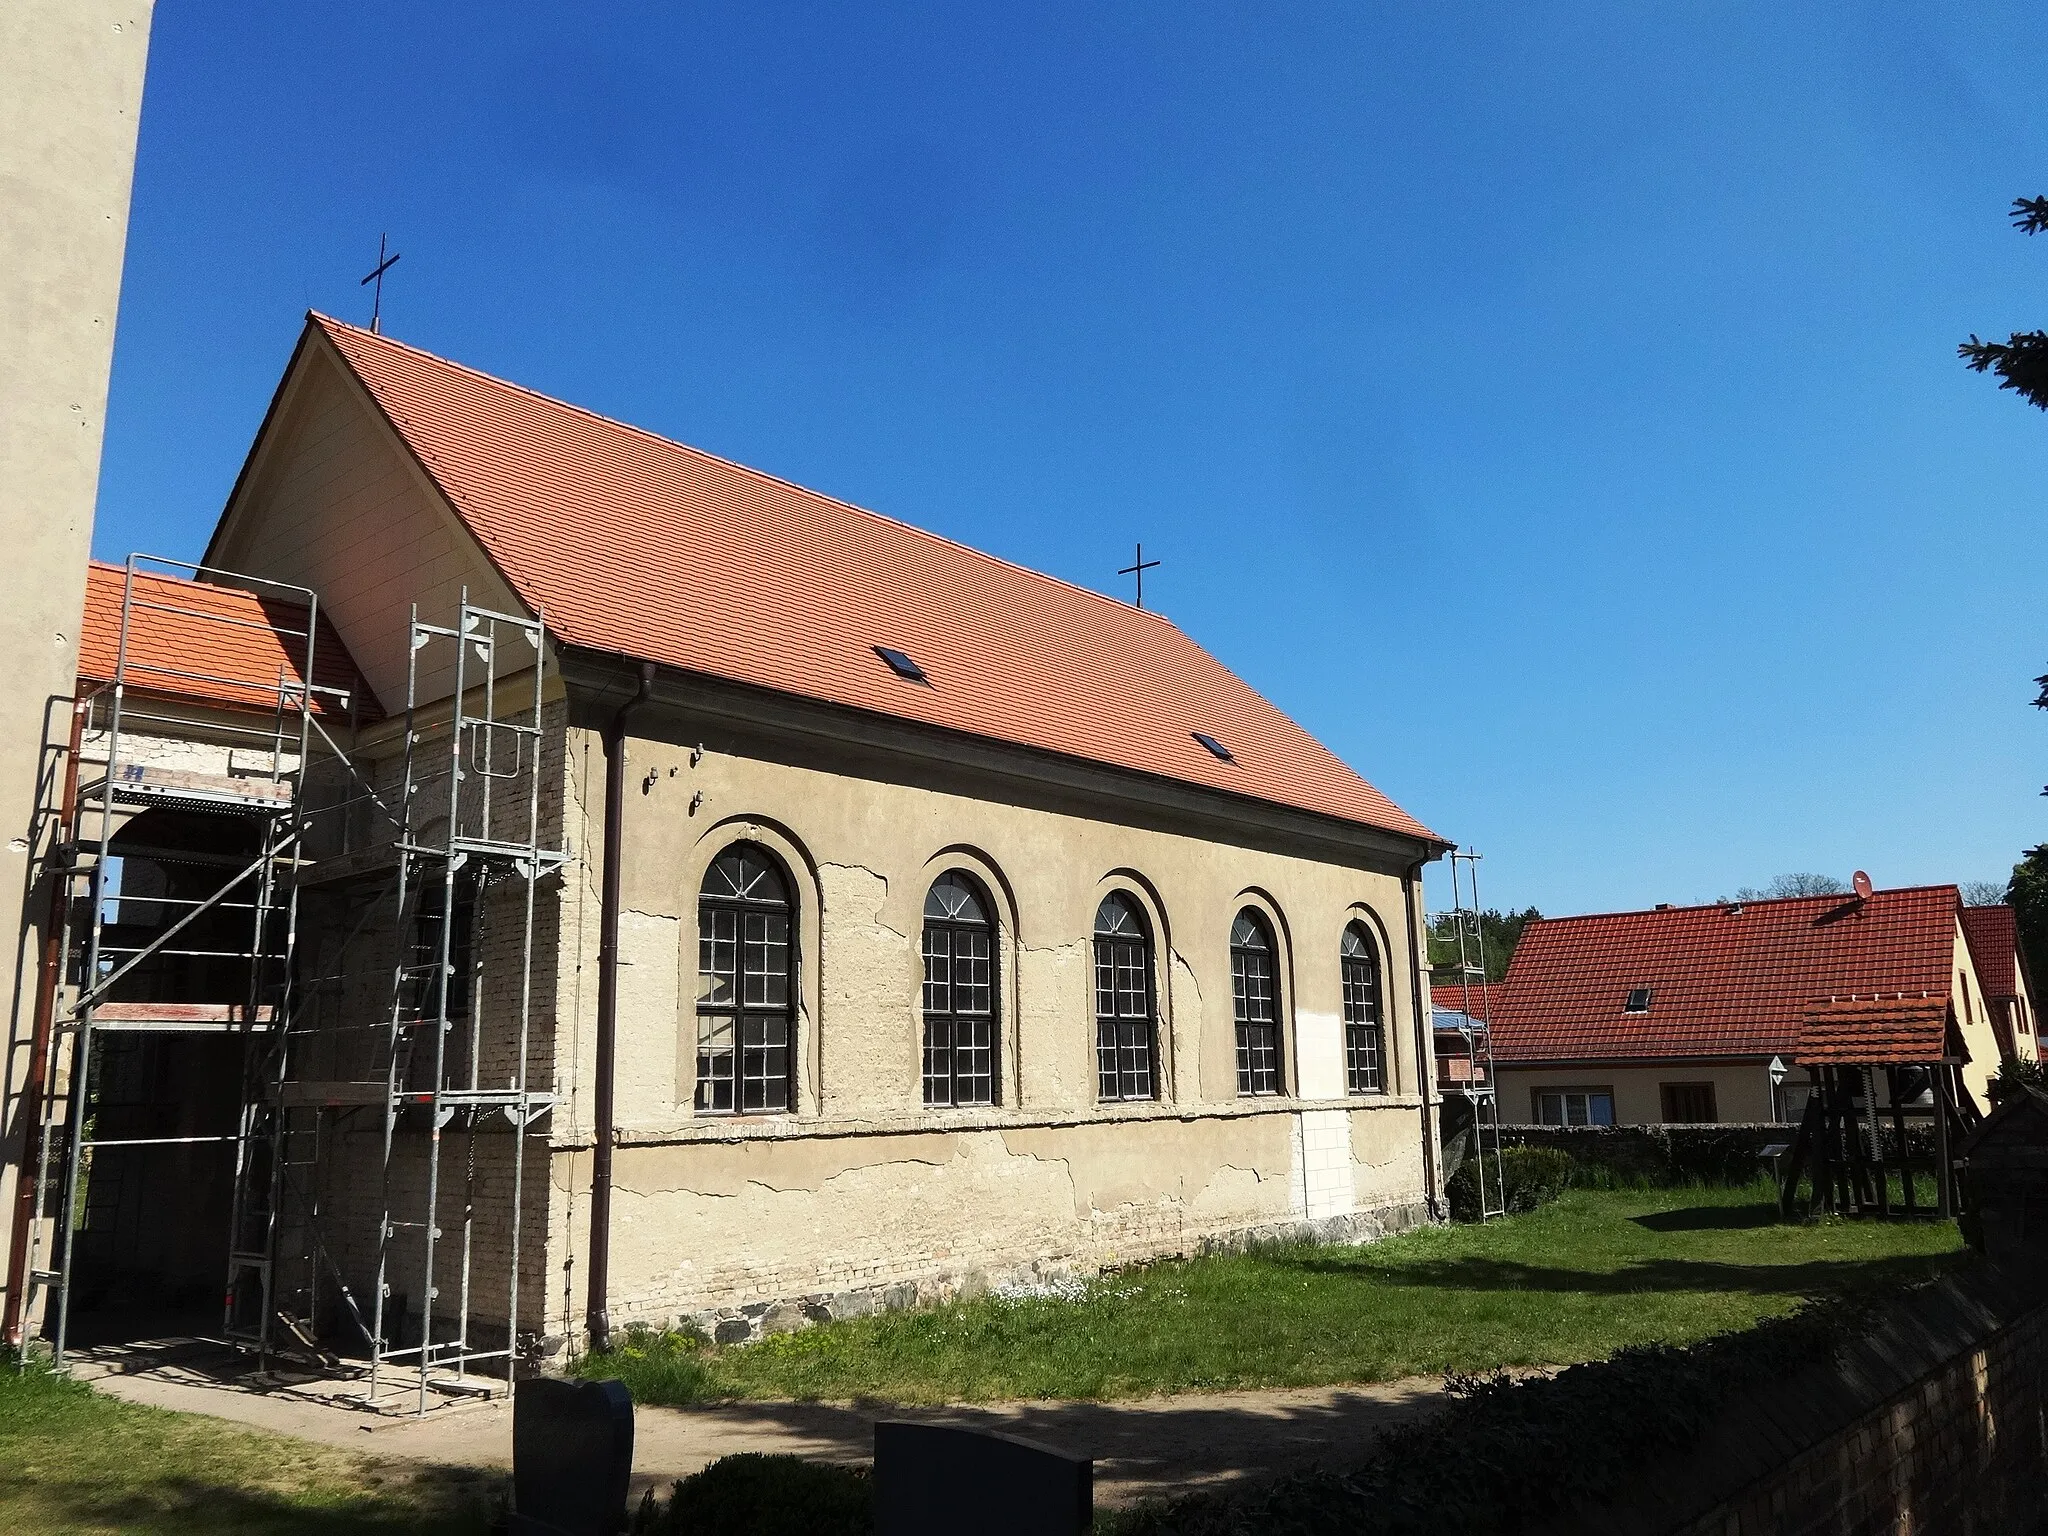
[936, 1478]
[572, 1454]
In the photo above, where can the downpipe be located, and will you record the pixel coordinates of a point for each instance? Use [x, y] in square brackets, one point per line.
[1425, 1056]
[597, 1316]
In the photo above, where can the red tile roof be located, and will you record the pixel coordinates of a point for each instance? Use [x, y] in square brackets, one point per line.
[220, 645]
[1471, 999]
[1869, 1031]
[1994, 938]
[631, 544]
[1724, 980]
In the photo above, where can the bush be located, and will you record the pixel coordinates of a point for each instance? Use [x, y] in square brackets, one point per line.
[1530, 1176]
[755, 1495]
[1508, 1454]
[2013, 1075]
[1655, 1156]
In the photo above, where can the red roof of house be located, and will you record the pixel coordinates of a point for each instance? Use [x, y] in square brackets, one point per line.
[631, 544]
[1731, 979]
[220, 645]
[1905, 1028]
[1470, 999]
[1994, 938]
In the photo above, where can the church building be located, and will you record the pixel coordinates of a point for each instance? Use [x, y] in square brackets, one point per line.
[809, 914]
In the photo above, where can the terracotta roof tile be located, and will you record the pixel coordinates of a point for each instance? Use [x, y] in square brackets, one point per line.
[1993, 933]
[631, 544]
[1470, 999]
[1870, 1031]
[222, 645]
[1724, 980]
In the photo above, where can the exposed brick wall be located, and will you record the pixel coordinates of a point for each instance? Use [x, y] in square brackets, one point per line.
[1965, 1451]
[1935, 1423]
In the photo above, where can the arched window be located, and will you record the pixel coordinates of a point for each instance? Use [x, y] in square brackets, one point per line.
[959, 994]
[746, 1006]
[1123, 1001]
[1364, 1040]
[1256, 999]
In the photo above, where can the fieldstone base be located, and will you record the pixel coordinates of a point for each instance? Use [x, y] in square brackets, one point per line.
[755, 1320]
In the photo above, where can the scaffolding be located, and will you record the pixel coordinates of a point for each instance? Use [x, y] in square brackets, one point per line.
[1465, 1074]
[240, 932]
[406, 869]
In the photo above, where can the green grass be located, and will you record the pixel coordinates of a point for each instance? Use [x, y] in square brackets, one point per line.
[74, 1460]
[1573, 1281]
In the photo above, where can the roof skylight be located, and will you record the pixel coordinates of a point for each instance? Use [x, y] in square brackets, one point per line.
[1222, 752]
[1638, 1000]
[902, 665]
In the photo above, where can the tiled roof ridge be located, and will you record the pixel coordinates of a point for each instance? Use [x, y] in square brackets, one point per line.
[328, 322]
[1673, 909]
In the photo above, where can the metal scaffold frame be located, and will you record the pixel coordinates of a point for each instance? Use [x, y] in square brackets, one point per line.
[455, 830]
[467, 841]
[1478, 1089]
[265, 888]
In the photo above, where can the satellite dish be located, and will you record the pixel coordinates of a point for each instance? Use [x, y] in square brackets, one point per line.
[1862, 883]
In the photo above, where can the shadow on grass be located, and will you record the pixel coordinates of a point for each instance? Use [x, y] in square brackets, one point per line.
[1709, 1218]
[1813, 1278]
[462, 1504]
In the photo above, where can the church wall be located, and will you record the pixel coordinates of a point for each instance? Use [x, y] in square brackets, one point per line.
[336, 504]
[863, 1197]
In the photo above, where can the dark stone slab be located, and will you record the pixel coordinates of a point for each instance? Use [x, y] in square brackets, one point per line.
[936, 1478]
[572, 1454]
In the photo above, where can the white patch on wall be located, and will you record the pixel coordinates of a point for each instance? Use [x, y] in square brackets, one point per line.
[1319, 1046]
[1323, 1183]
[650, 992]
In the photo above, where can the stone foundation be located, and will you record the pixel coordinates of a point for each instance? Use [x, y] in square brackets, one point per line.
[740, 1325]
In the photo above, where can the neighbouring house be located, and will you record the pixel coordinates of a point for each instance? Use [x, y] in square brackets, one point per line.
[2001, 964]
[680, 896]
[1683, 1015]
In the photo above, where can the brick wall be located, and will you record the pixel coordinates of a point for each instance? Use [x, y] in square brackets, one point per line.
[1965, 1450]
[1935, 1423]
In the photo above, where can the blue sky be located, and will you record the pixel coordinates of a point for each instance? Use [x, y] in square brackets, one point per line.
[1554, 408]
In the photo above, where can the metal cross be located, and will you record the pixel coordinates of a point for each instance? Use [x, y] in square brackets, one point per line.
[384, 264]
[1138, 570]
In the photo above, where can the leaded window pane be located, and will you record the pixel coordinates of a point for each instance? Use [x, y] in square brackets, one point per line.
[745, 1001]
[959, 1057]
[1364, 1042]
[1255, 1002]
[1124, 1026]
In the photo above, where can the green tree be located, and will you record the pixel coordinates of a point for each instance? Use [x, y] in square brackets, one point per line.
[2027, 895]
[2020, 363]
[1501, 931]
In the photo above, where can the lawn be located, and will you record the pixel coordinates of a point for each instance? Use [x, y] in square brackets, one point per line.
[73, 1460]
[1573, 1281]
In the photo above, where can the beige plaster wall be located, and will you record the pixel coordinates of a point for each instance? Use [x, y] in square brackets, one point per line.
[862, 1188]
[332, 501]
[70, 101]
[1742, 1090]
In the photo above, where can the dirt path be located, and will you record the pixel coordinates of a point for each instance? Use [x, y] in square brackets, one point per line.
[1143, 1447]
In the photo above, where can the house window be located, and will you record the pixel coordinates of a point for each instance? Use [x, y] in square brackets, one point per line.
[959, 994]
[1363, 1040]
[746, 1007]
[1638, 1000]
[1124, 1027]
[1255, 998]
[1574, 1106]
[1687, 1103]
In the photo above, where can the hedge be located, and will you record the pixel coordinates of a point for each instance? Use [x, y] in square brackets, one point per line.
[1507, 1454]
